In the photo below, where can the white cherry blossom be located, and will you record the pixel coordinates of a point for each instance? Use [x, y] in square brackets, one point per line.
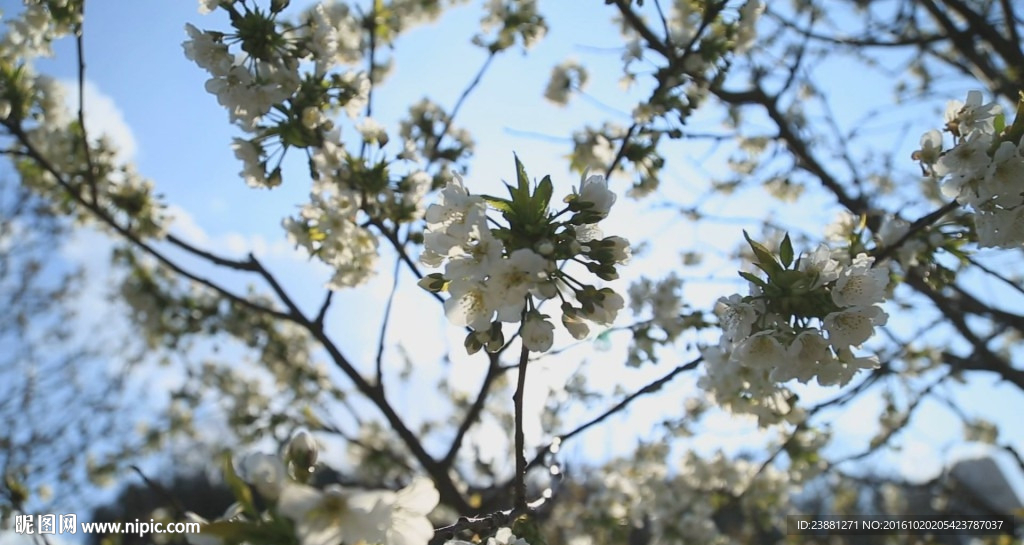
[762, 350]
[321, 516]
[594, 190]
[861, 284]
[737, 317]
[808, 355]
[512, 279]
[853, 326]
[470, 304]
[972, 115]
[821, 264]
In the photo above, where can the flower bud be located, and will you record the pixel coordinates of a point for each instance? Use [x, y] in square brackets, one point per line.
[311, 117]
[434, 282]
[574, 323]
[545, 248]
[275, 178]
[301, 451]
[472, 343]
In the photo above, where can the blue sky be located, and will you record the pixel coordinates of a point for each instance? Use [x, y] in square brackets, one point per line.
[146, 92]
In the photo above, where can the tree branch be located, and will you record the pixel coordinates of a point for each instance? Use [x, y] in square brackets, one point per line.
[650, 388]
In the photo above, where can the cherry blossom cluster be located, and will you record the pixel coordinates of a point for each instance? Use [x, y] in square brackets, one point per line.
[567, 77]
[31, 32]
[255, 74]
[50, 139]
[508, 19]
[283, 82]
[500, 274]
[661, 303]
[983, 171]
[672, 504]
[801, 322]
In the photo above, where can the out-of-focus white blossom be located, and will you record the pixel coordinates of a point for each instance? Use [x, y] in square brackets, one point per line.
[565, 78]
[335, 514]
[981, 172]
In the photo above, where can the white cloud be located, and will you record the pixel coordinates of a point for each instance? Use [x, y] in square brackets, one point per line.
[102, 117]
[185, 226]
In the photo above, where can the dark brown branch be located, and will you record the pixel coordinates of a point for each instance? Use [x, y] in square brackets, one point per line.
[1007, 49]
[126, 233]
[806, 160]
[322, 313]
[982, 359]
[919, 225]
[964, 43]
[637, 24]
[1010, 19]
[235, 264]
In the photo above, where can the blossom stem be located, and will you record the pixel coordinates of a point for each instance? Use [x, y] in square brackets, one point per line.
[519, 483]
[567, 278]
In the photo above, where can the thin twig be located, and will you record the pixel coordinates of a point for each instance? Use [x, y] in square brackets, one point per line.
[650, 388]
[988, 270]
[494, 370]
[919, 225]
[485, 524]
[889, 434]
[450, 118]
[322, 313]
[80, 51]
[384, 324]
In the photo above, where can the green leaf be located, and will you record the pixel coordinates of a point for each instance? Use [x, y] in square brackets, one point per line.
[753, 279]
[542, 196]
[523, 189]
[238, 487]
[999, 123]
[786, 251]
[1016, 130]
[497, 203]
[765, 259]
